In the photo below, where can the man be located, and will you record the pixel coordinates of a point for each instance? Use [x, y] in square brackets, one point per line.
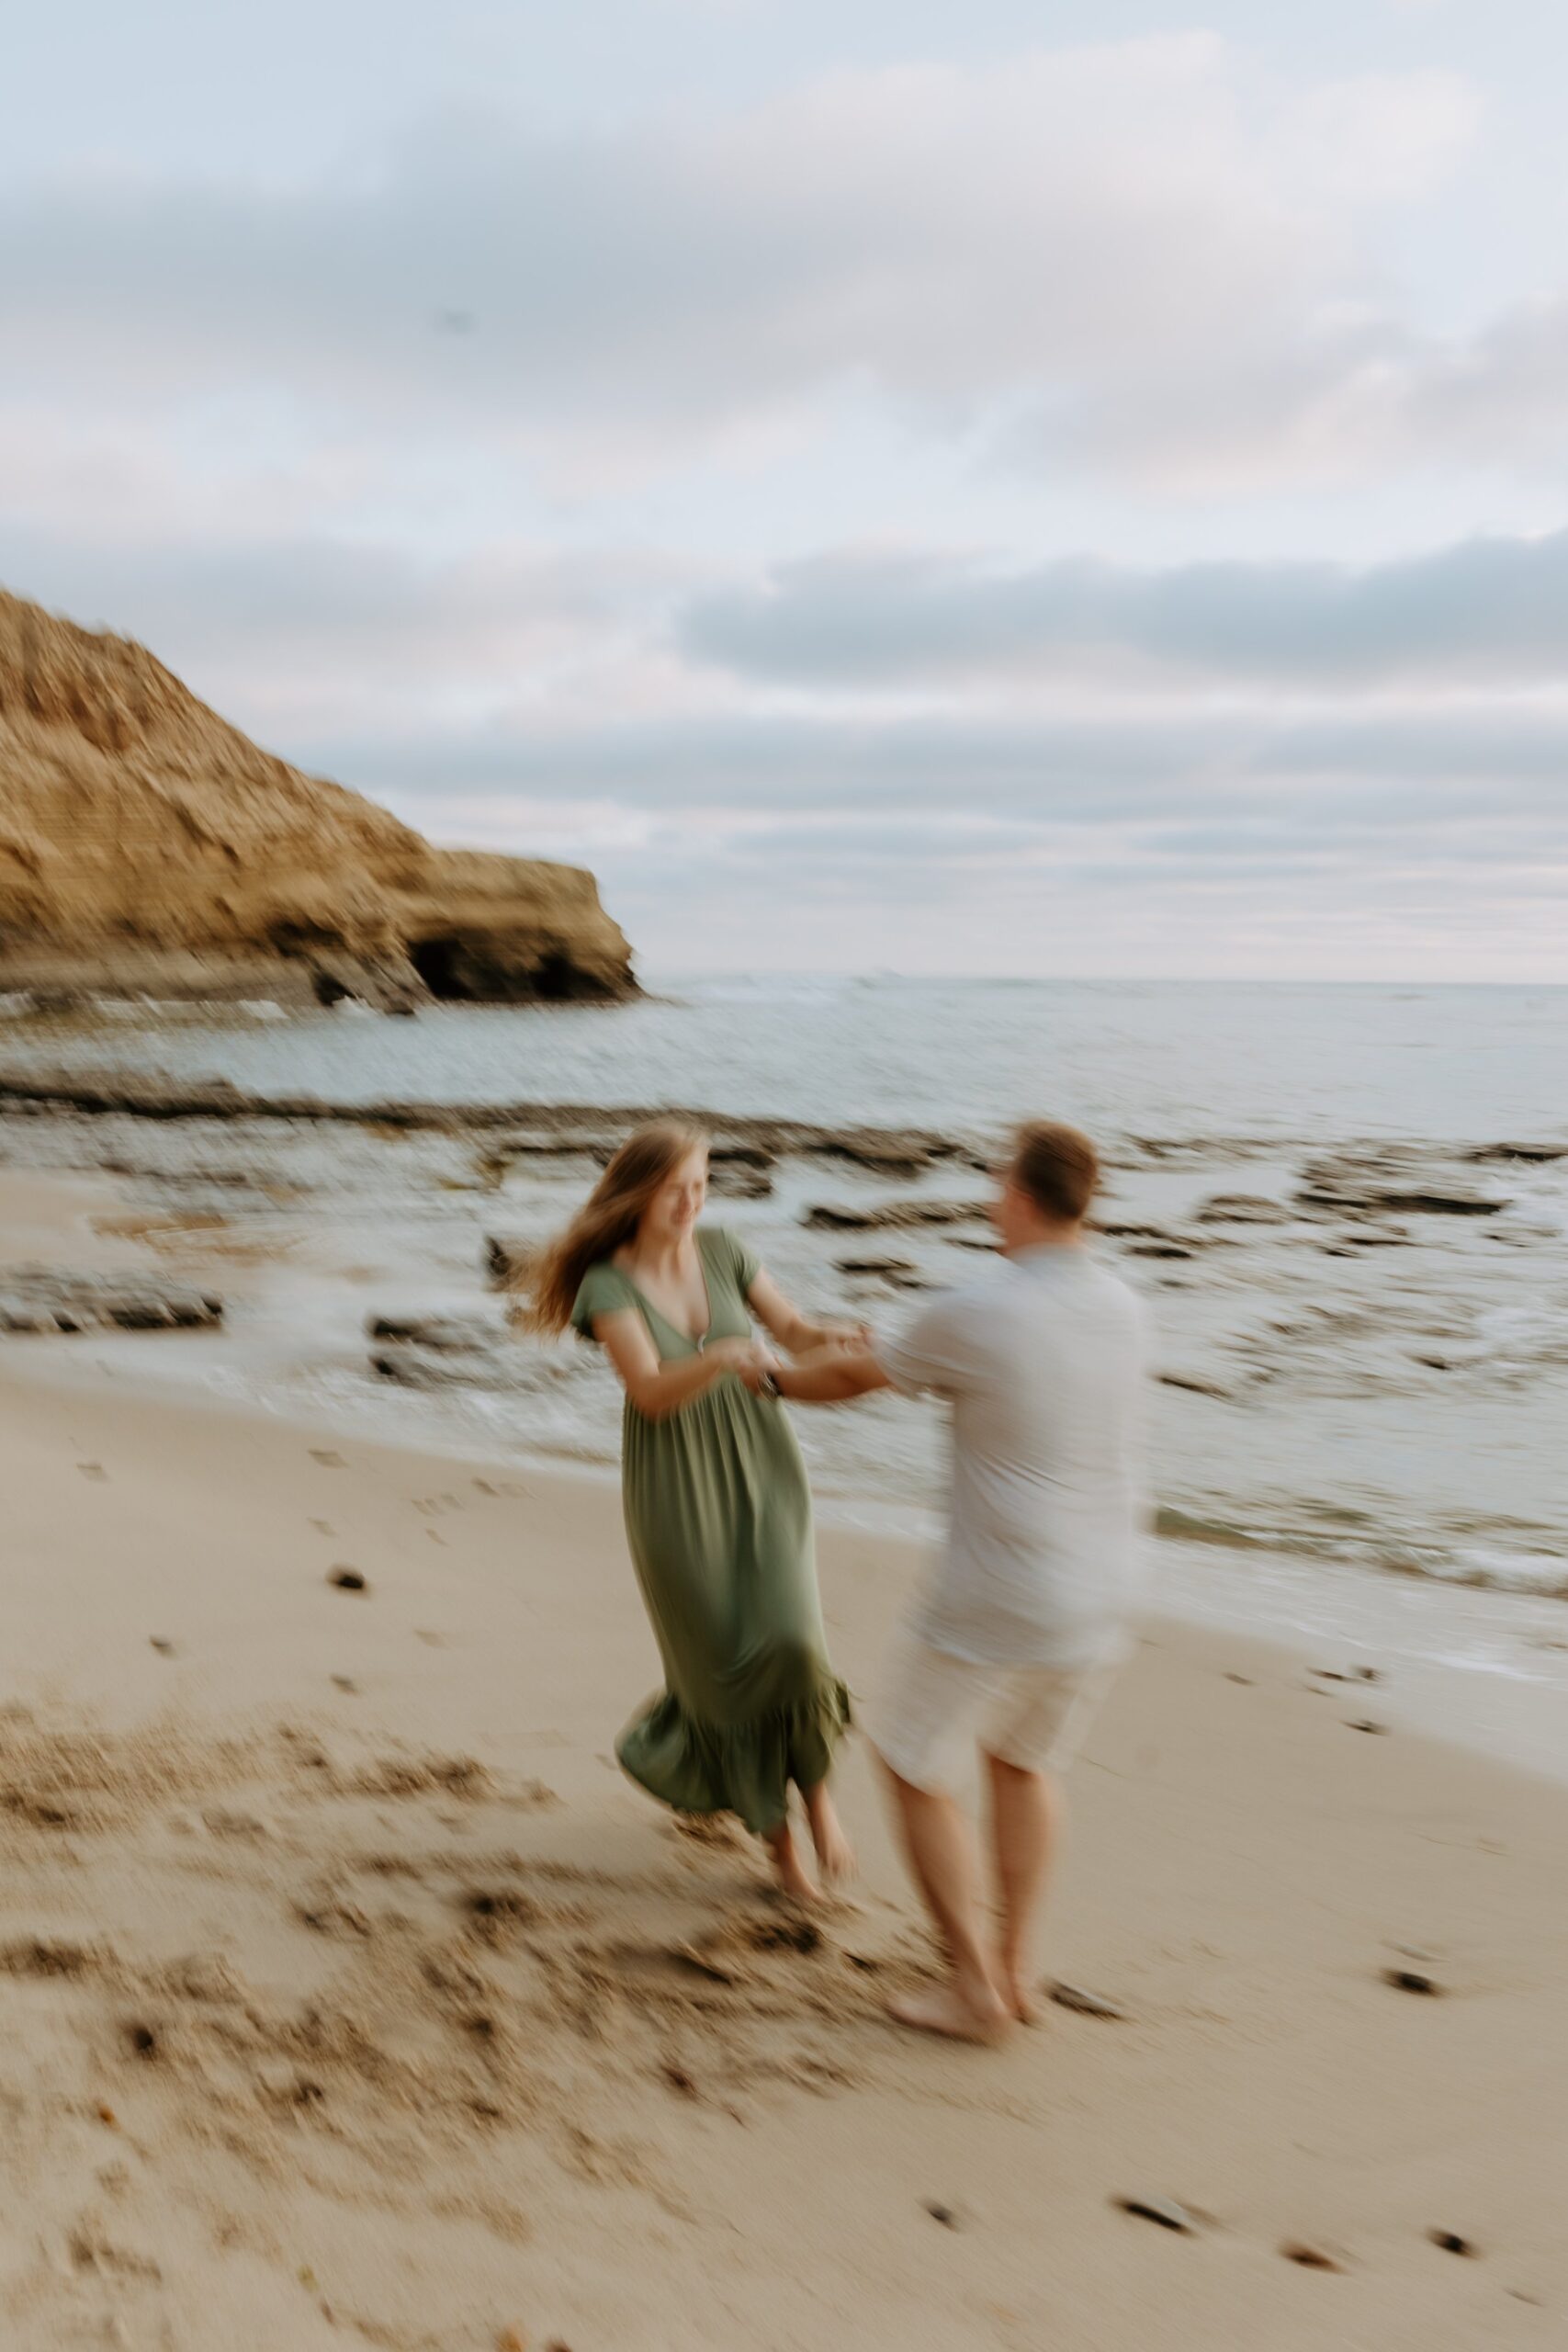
[1017, 1636]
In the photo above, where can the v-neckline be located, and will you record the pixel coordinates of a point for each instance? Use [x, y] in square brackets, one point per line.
[650, 1308]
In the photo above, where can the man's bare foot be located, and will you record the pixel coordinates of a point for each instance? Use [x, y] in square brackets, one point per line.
[834, 1850]
[962, 2013]
[793, 1876]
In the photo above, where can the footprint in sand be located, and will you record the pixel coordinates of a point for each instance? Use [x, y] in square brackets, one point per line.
[328, 1460]
[94, 1470]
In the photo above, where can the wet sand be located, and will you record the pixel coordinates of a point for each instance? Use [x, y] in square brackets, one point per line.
[352, 1996]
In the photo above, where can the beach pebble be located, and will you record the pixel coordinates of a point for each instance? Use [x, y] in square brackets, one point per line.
[344, 1682]
[1087, 2003]
[1311, 2257]
[1410, 1980]
[1378, 1729]
[946, 2214]
[347, 1579]
[1169, 2216]
[1451, 2242]
[165, 1649]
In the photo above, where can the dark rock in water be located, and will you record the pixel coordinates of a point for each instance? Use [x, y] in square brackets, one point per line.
[1243, 1209]
[482, 1355]
[1159, 1250]
[1199, 1384]
[892, 1153]
[1159, 2208]
[832, 1218]
[900, 1272]
[1086, 2004]
[1539, 1152]
[1392, 1180]
[509, 1264]
[735, 1180]
[40, 1299]
[443, 1333]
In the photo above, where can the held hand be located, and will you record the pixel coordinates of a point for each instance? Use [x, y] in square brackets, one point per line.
[852, 1337]
[746, 1358]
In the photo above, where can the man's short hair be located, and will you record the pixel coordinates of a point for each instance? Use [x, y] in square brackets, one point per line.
[1057, 1167]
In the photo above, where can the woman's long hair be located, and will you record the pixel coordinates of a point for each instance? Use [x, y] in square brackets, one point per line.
[607, 1220]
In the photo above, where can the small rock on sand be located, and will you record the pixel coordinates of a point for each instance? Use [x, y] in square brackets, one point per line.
[1410, 1980]
[1311, 2257]
[1161, 2210]
[1087, 2003]
[1451, 2242]
[946, 2214]
[347, 1581]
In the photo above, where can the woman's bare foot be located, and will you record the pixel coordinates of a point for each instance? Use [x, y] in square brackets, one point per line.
[1018, 1994]
[960, 2011]
[834, 1850]
[789, 1869]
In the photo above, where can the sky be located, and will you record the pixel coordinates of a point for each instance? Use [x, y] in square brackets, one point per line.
[1026, 489]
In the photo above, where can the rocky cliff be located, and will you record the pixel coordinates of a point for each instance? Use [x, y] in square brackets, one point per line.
[147, 845]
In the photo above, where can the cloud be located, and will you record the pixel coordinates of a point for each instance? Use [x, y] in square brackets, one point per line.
[1052, 237]
[1488, 609]
[291, 632]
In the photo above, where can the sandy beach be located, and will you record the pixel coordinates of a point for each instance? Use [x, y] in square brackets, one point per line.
[352, 1995]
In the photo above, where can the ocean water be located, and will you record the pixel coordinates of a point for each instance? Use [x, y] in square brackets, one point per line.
[1381, 1389]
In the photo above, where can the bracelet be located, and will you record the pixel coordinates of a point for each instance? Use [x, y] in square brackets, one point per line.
[769, 1386]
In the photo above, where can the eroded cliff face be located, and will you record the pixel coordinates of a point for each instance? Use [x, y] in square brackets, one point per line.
[145, 844]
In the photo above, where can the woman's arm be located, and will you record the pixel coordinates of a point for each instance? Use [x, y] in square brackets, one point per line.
[831, 1377]
[659, 1389]
[791, 1329]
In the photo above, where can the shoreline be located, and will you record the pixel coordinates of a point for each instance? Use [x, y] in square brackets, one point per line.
[1489, 1669]
[350, 1992]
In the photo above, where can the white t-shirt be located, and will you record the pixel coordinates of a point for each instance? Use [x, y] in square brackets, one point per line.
[1043, 1362]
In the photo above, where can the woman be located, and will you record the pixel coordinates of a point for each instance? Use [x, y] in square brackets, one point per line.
[718, 1512]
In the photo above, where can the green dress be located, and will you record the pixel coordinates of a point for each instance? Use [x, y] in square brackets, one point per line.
[718, 1518]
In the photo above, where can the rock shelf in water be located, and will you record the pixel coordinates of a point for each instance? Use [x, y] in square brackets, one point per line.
[41, 1299]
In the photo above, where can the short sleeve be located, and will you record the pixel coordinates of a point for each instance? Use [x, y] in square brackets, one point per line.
[744, 1263]
[934, 1353]
[605, 1289]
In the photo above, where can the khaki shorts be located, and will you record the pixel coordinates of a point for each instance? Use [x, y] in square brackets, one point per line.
[932, 1708]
